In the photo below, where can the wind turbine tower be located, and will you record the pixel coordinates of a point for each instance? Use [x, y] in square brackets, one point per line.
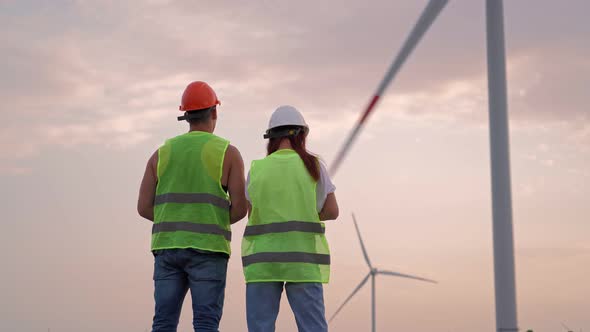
[503, 238]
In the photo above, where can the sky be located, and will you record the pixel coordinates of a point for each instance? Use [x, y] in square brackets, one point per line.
[91, 88]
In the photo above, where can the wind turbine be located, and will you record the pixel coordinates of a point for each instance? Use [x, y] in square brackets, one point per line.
[566, 328]
[503, 238]
[373, 272]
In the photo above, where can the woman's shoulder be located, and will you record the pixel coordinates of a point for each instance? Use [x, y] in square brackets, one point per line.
[322, 165]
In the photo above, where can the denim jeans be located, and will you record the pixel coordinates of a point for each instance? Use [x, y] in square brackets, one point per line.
[306, 300]
[178, 270]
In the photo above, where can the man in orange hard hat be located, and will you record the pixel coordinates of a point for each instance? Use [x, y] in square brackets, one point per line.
[193, 189]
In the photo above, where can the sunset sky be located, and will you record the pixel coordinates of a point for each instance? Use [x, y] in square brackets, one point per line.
[91, 88]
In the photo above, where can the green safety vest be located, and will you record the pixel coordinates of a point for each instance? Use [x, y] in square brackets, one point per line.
[284, 239]
[191, 209]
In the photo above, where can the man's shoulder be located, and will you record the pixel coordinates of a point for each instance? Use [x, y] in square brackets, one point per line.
[232, 153]
[219, 138]
[153, 160]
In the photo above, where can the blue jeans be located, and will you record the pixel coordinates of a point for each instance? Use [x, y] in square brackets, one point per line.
[306, 300]
[178, 270]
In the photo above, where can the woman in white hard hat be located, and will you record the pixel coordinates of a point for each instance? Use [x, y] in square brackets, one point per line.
[284, 244]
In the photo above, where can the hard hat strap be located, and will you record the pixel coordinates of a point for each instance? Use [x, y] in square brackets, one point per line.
[195, 114]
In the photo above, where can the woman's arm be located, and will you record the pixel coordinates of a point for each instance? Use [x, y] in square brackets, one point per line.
[330, 209]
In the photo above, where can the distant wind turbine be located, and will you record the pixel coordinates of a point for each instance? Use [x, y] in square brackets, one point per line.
[566, 328]
[373, 271]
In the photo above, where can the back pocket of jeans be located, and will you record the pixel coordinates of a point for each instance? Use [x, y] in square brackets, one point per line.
[208, 267]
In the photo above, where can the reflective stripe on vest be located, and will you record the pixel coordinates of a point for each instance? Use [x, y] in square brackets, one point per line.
[192, 198]
[191, 209]
[173, 226]
[284, 239]
[286, 257]
[288, 226]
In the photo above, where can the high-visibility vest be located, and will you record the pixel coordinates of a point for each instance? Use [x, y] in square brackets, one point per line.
[191, 209]
[284, 239]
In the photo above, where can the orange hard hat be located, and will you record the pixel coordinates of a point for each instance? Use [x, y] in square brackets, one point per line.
[197, 96]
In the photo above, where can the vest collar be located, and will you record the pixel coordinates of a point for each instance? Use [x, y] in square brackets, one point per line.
[283, 153]
[197, 132]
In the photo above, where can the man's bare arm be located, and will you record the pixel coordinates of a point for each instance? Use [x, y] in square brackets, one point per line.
[147, 190]
[236, 185]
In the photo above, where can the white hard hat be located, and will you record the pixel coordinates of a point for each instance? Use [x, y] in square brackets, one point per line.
[287, 116]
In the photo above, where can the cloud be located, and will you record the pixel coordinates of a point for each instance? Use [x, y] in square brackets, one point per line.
[80, 73]
[579, 172]
[554, 252]
[525, 190]
[14, 170]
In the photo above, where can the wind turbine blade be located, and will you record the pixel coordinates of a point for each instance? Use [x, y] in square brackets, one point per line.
[396, 274]
[361, 240]
[350, 296]
[429, 14]
[565, 327]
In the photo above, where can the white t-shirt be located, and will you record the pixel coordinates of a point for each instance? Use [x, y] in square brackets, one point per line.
[323, 189]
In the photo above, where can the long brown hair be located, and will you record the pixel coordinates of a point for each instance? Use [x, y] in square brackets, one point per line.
[298, 144]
